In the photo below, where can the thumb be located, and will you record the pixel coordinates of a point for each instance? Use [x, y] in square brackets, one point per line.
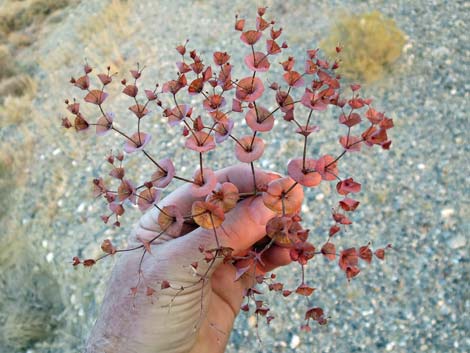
[243, 226]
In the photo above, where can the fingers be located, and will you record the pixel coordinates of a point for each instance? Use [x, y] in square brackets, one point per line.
[243, 226]
[239, 175]
[275, 257]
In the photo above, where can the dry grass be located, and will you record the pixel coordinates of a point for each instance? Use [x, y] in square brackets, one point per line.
[18, 15]
[7, 66]
[371, 45]
[104, 32]
[6, 185]
[29, 294]
[15, 103]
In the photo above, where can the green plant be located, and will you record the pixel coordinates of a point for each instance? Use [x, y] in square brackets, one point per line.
[372, 43]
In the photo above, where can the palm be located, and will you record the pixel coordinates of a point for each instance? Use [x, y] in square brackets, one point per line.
[196, 313]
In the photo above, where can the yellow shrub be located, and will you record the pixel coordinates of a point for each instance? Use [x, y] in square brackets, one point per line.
[371, 44]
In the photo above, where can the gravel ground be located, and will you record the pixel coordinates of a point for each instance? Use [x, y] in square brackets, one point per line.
[413, 196]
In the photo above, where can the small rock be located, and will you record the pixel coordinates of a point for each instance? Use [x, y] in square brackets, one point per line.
[458, 241]
[294, 342]
[447, 212]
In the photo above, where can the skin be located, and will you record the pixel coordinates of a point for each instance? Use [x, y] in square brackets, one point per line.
[199, 318]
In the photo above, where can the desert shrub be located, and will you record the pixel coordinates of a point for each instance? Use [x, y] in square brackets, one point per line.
[17, 86]
[372, 43]
[18, 15]
[7, 66]
[110, 26]
[29, 294]
[6, 185]
[17, 94]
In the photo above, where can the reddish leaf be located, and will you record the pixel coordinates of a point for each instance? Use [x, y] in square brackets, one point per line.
[139, 140]
[207, 215]
[203, 186]
[261, 24]
[293, 79]
[327, 167]
[139, 110]
[76, 261]
[80, 123]
[116, 208]
[285, 101]
[196, 86]
[223, 130]
[250, 37]
[108, 247]
[277, 287]
[183, 67]
[351, 143]
[380, 254]
[272, 47]
[286, 292]
[365, 253]
[82, 82]
[304, 290]
[200, 141]
[257, 62]
[239, 24]
[348, 258]
[347, 186]
[147, 198]
[250, 151]
[117, 172]
[348, 204]
[161, 178]
[333, 230]
[224, 195]
[126, 191]
[213, 102]
[177, 113]
[313, 101]
[130, 90]
[259, 119]
[304, 176]
[350, 120]
[275, 34]
[329, 251]
[89, 262]
[95, 97]
[352, 272]
[171, 220]
[288, 64]
[249, 89]
[374, 116]
[221, 58]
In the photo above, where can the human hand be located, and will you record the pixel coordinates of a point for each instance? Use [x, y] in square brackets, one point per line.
[198, 318]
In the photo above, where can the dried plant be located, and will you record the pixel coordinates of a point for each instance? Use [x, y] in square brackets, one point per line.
[372, 44]
[220, 102]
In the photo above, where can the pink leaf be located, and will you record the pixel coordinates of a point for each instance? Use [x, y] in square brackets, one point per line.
[249, 152]
[96, 97]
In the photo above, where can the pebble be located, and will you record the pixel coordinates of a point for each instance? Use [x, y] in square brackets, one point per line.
[294, 342]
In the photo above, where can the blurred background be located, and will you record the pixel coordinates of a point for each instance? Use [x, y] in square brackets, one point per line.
[411, 57]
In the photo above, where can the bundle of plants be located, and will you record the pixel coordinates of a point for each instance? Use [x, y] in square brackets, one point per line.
[219, 235]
